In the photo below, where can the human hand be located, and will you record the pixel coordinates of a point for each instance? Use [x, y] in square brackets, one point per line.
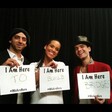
[52, 64]
[11, 62]
[98, 101]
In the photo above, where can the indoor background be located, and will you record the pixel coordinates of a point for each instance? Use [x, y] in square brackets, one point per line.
[64, 24]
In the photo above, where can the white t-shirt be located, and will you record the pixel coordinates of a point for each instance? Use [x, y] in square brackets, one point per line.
[48, 97]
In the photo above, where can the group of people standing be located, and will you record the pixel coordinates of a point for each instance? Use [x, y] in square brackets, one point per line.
[19, 39]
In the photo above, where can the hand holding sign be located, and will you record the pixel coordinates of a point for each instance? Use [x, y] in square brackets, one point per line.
[94, 84]
[54, 79]
[17, 80]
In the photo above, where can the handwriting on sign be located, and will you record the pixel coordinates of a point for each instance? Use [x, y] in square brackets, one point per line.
[19, 78]
[55, 77]
[52, 76]
[97, 84]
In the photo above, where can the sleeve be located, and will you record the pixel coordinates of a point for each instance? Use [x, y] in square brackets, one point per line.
[110, 100]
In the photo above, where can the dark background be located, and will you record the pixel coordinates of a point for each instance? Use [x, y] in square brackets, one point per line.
[64, 24]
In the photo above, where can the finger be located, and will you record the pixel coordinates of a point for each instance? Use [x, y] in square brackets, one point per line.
[16, 63]
[13, 63]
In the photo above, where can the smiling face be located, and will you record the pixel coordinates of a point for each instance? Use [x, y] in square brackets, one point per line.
[82, 51]
[52, 49]
[18, 42]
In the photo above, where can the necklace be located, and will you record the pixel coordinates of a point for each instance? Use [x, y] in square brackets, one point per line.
[84, 69]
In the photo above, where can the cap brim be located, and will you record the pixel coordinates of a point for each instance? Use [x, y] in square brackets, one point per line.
[83, 42]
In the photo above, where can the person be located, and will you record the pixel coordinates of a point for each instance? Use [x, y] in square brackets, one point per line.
[19, 39]
[83, 47]
[51, 50]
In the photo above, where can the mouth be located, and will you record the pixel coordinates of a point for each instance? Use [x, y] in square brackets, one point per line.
[51, 53]
[80, 54]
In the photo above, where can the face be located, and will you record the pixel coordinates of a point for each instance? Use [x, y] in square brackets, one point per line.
[52, 49]
[18, 42]
[82, 51]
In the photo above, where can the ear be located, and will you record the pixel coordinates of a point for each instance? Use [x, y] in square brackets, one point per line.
[89, 49]
[9, 41]
[45, 47]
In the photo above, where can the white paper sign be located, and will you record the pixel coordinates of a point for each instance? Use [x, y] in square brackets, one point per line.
[54, 79]
[17, 80]
[94, 84]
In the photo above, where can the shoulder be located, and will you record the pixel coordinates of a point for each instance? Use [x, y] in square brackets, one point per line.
[3, 52]
[102, 64]
[3, 56]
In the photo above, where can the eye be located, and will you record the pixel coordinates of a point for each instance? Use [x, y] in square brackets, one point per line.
[24, 39]
[82, 46]
[16, 37]
[51, 45]
[57, 49]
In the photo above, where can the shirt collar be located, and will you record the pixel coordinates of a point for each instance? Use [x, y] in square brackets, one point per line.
[14, 56]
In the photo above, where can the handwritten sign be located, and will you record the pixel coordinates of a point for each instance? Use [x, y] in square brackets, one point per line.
[17, 80]
[54, 79]
[94, 84]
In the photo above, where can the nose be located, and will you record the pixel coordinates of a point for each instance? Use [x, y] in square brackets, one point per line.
[20, 40]
[78, 49]
[54, 50]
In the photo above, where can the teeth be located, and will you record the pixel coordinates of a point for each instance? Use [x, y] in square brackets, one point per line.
[80, 53]
[51, 53]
